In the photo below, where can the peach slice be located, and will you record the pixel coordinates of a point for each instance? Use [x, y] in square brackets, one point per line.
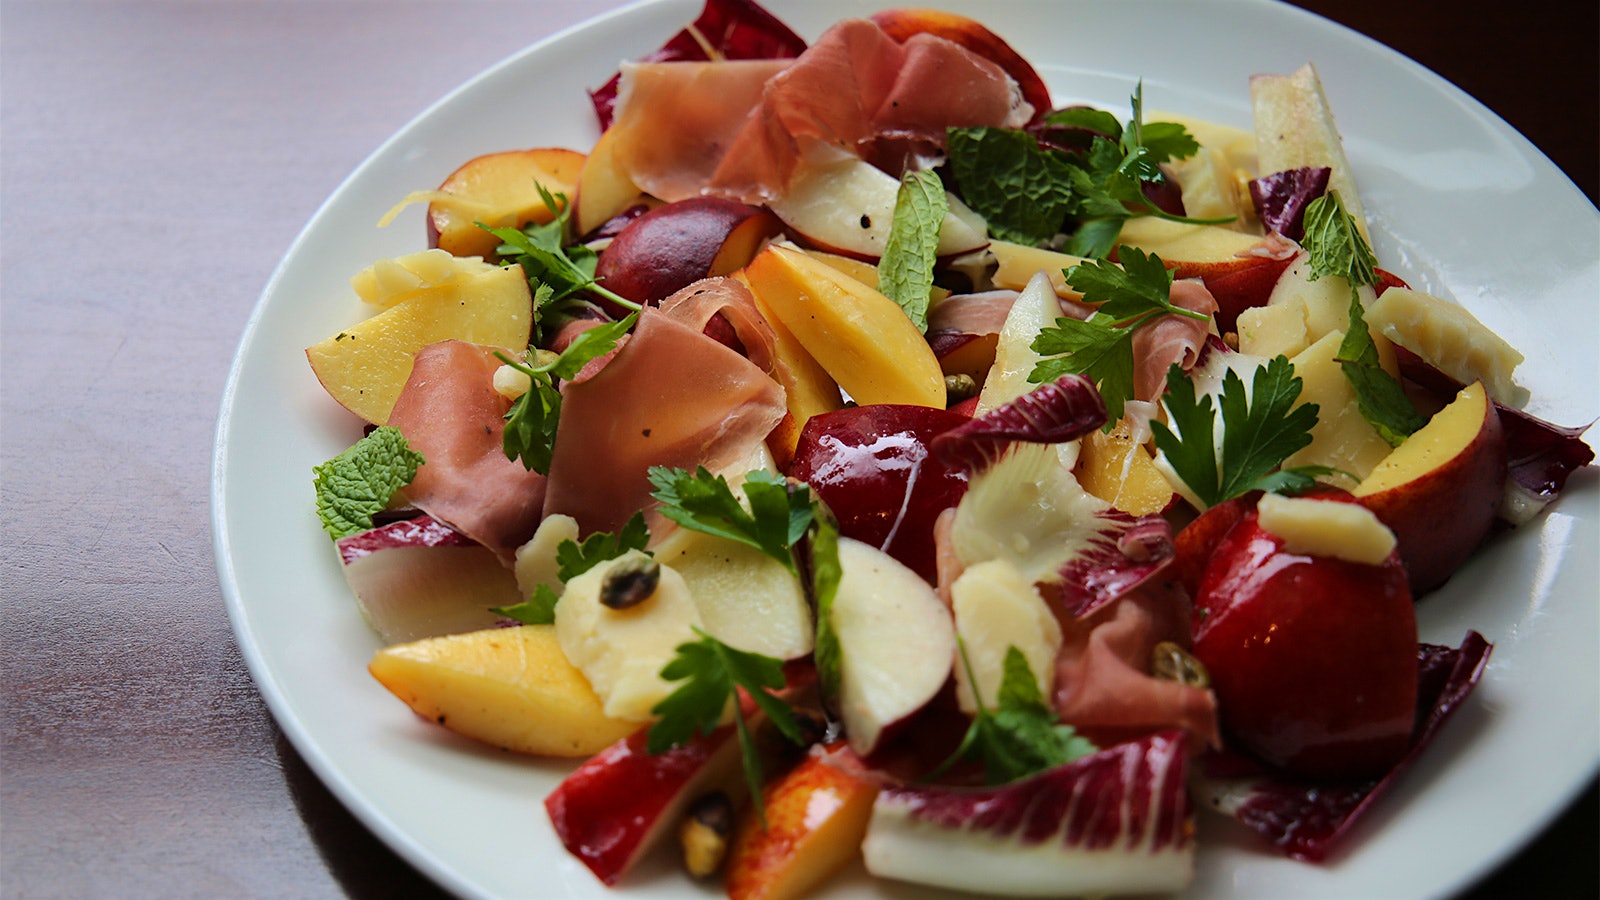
[365, 366]
[508, 687]
[673, 246]
[604, 187]
[861, 338]
[1440, 489]
[500, 190]
[1342, 437]
[903, 22]
[1122, 473]
[1019, 263]
[816, 818]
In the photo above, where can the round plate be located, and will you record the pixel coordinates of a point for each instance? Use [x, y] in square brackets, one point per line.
[1459, 204]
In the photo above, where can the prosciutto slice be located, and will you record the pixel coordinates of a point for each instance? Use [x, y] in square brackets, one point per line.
[1103, 681]
[450, 412]
[1171, 339]
[708, 298]
[857, 91]
[670, 397]
[675, 121]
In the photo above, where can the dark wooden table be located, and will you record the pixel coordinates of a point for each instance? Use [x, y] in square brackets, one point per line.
[157, 158]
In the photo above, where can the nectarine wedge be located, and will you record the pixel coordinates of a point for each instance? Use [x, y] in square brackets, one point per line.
[816, 816]
[500, 190]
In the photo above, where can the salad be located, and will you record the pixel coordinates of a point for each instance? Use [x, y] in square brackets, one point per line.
[1009, 565]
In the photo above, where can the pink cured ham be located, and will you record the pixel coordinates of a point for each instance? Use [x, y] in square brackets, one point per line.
[1171, 339]
[675, 121]
[670, 397]
[699, 303]
[857, 91]
[1103, 685]
[450, 412]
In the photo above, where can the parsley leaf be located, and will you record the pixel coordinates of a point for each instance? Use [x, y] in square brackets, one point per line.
[540, 609]
[1259, 433]
[564, 272]
[1335, 247]
[905, 273]
[358, 483]
[531, 422]
[574, 559]
[711, 671]
[777, 519]
[1021, 736]
[1101, 347]
[1022, 191]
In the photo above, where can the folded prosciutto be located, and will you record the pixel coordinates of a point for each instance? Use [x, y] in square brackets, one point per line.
[670, 397]
[740, 129]
[450, 412]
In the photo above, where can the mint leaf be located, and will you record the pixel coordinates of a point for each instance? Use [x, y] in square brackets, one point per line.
[824, 587]
[711, 671]
[1379, 395]
[574, 559]
[359, 483]
[1334, 244]
[778, 517]
[905, 272]
[1022, 736]
[540, 609]
[1087, 118]
[1260, 431]
[1023, 192]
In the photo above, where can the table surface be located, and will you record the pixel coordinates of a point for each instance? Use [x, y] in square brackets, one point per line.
[156, 159]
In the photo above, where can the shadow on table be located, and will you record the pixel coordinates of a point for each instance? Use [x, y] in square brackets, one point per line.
[363, 866]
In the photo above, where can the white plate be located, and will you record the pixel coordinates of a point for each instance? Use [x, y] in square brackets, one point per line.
[1459, 203]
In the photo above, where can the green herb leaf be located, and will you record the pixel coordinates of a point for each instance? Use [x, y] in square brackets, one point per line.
[711, 671]
[1088, 118]
[539, 249]
[1101, 347]
[359, 483]
[1259, 432]
[540, 609]
[532, 420]
[905, 273]
[1334, 244]
[1023, 192]
[1379, 395]
[1022, 736]
[825, 576]
[574, 559]
[778, 517]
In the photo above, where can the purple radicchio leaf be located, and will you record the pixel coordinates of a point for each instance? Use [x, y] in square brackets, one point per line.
[733, 29]
[1281, 198]
[1128, 552]
[1306, 820]
[1053, 413]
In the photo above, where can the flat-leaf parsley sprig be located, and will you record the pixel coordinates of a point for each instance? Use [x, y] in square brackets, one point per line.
[1260, 431]
[530, 431]
[712, 672]
[1130, 296]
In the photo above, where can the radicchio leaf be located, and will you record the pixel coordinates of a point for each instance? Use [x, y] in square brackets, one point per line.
[1059, 411]
[1281, 198]
[732, 29]
[1305, 820]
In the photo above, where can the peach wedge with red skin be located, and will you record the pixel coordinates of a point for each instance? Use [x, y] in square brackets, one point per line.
[1439, 490]
[1313, 658]
[500, 190]
[673, 246]
[816, 816]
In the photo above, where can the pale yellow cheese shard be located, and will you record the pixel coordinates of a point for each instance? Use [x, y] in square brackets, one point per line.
[1328, 528]
[1450, 339]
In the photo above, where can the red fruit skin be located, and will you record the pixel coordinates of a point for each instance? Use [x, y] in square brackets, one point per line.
[615, 806]
[1313, 659]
